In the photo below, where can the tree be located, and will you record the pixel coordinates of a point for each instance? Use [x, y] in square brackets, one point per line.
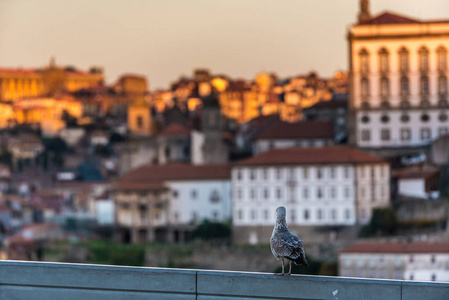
[383, 222]
[212, 231]
[6, 158]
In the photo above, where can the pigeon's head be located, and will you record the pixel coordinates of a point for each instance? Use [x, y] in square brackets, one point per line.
[281, 212]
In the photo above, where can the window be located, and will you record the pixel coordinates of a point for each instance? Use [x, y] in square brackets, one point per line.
[385, 119]
[434, 277]
[278, 174]
[266, 214]
[404, 87]
[278, 193]
[333, 173]
[443, 131]
[365, 135]
[215, 215]
[306, 193]
[253, 214]
[365, 119]
[411, 277]
[347, 192]
[319, 193]
[425, 118]
[423, 59]
[252, 194]
[319, 214]
[425, 133]
[385, 134]
[214, 196]
[175, 194]
[406, 134]
[305, 173]
[293, 216]
[252, 174]
[265, 174]
[424, 85]
[193, 194]
[347, 172]
[364, 87]
[442, 59]
[306, 214]
[333, 193]
[364, 61]
[139, 121]
[239, 174]
[347, 214]
[319, 173]
[384, 87]
[334, 214]
[266, 193]
[442, 117]
[442, 86]
[240, 214]
[239, 193]
[403, 60]
[405, 118]
[383, 60]
[362, 192]
[432, 259]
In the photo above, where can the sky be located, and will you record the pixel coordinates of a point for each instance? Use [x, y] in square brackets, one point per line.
[164, 39]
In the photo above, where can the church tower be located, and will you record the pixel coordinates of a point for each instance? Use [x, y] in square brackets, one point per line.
[364, 14]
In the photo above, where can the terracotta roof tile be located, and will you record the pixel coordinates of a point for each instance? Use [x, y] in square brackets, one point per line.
[175, 129]
[397, 248]
[154, 176]
[414, 173]
[304, 129]
[17, 71]
[394, 18]
[313, 155]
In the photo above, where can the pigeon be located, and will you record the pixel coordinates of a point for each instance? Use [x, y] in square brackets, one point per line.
[285, 244]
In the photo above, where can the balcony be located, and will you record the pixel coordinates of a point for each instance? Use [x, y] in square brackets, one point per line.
[35, 280]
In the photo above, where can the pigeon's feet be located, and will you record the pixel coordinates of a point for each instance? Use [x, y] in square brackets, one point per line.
[279, 274]
[289, 273]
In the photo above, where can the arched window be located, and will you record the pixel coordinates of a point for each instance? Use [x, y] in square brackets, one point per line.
[364, 86]
[424, 85]
[383, 60]
[403, 60]
[364, 61]
[384, 87]
[423, 59]
[442, 58]
[404, 86]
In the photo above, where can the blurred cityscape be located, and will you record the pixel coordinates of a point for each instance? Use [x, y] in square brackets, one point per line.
[191, 175]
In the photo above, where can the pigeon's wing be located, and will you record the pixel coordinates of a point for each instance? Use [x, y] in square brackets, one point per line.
[296, 247]
[285, 244]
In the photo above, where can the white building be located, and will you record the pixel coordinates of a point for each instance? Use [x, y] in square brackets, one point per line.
[418, 183]
[399, 76]
[415, 261]
[321, 186]
[171, 199]
[300, 134]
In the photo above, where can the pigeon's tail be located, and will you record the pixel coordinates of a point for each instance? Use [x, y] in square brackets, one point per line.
[301, 260]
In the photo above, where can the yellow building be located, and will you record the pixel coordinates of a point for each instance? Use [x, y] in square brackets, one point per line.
[26, 83]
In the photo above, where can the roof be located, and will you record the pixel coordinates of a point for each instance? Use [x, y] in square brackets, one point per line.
[175, 129]
[153, 176]
[416, 173]
[397, 248]
[17, 71]
[337, 154]
[304, 129]
[334, 103]
[394, 18]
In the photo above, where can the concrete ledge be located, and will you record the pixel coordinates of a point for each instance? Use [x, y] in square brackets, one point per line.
[35, 280]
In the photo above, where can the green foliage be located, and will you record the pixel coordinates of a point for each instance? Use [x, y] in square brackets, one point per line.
[212, 231]
[383, 222]
[103, 150]
[6, 158]
[55, 145]
[117, 254]
[116, 138]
